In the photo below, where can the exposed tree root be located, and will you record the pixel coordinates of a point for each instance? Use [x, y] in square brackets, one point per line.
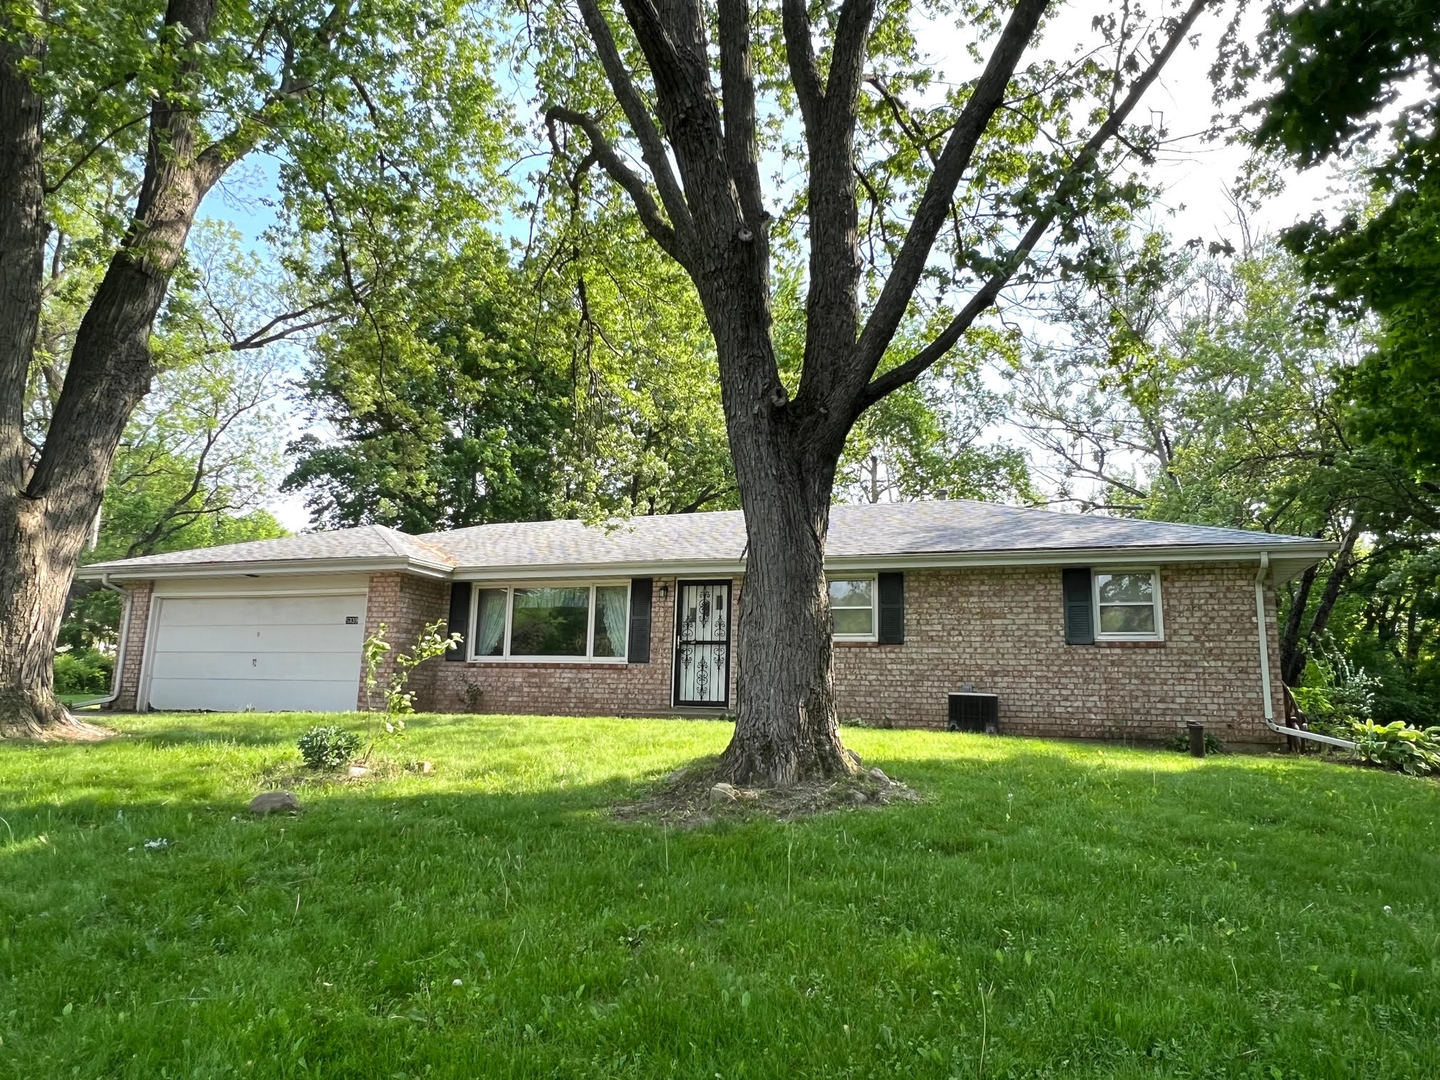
[700, 793]
[45, 721]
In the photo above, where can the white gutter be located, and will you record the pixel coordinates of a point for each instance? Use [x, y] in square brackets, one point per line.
[1134, 556]
[117, 673]
[258, 567]
[1260, 623]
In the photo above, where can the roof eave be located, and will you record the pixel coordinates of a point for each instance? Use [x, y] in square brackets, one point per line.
[1131, 553]
[1290, 551]
[260, 568]
[1294, 556]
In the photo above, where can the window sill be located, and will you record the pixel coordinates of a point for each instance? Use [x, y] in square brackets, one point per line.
[541, 661]
[851, 643]
[1131, 643]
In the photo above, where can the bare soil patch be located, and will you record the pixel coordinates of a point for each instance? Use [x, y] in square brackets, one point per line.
[698, 795]
[71, 730]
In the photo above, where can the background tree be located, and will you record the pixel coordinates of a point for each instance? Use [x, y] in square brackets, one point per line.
[955, 196]
[572, 378]
[133, 113]
[1361, 79]
[444, 417]
[1193, 388]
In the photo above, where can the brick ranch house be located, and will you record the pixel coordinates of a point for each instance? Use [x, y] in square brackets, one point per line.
[1040, 623]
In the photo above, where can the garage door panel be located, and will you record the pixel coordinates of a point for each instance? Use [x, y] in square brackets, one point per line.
[284, 652]
[255, 666]
[258, 639]
[262, 610]
[239, 695]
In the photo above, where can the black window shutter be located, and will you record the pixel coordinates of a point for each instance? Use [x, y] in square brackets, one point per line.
[892, 608]
[459, 619]
[1079, 608]
[640, 590]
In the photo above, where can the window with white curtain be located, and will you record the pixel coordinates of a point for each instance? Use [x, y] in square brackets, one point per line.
[567, 621]
[852, 607]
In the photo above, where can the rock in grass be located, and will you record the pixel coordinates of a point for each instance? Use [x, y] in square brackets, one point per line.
[878, 773]
[274, 802]
[723, 793]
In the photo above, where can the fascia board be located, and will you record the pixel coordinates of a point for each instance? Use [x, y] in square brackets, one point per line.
[259, 568]
[1303, 554]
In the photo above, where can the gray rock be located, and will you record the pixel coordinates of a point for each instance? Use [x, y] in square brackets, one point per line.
[724, 793]
[877, 774]
[275, 802]
[858, 797]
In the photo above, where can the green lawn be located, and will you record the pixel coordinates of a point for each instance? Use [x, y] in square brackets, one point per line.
[1050, 910]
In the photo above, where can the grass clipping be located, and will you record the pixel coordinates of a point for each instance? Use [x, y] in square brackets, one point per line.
[698, 795]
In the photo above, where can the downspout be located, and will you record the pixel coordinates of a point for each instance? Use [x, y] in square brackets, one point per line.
[115, 675]
[1260, 625]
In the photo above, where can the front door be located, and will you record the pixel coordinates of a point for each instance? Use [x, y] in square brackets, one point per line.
[702, 643]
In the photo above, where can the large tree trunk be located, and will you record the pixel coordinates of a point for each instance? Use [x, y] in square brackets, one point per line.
[46, 512]
[27, 703]
[786, 726]
[37, 568]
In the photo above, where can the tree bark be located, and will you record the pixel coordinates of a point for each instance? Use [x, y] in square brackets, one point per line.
[1292, 652]
[27, 700]
[1295, 647]
[46, 512]
[786, 725]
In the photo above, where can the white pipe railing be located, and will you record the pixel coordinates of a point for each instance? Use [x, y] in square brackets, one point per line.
[1260, 622]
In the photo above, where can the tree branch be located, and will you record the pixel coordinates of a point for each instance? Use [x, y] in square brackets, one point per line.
[945, 341]
[79, 163]
[642, 123]
[634, 184]
[737, 92]
[800, 55]
[934, 206]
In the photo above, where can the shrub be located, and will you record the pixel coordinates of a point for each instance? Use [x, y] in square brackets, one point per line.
[399, 699]
[82, 671]
[1397, 746]
[1334, 692]
[329, 747]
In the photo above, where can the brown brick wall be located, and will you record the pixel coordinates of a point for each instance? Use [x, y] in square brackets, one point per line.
[995, 630]
[1000, 631]
[405, 603]
[574, 689]
[136, 630]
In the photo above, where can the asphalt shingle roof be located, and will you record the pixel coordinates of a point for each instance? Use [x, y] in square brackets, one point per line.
[366, 543]
[888, 529]
[955, 526]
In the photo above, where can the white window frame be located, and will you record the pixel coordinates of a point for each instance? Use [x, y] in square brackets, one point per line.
[874, 580]
[509, 589]
[1159, 632]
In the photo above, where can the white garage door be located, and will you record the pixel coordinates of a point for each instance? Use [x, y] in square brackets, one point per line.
[268, 653]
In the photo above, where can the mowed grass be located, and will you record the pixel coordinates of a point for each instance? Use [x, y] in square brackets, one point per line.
[1050, 910]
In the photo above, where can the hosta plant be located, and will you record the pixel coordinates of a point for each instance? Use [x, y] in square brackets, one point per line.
[1397, 746]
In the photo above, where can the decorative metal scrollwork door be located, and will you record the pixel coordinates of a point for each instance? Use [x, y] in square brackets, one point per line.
[702, 643]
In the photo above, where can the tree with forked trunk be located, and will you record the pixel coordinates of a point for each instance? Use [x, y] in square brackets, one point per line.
[158, 100]
[900, 206]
